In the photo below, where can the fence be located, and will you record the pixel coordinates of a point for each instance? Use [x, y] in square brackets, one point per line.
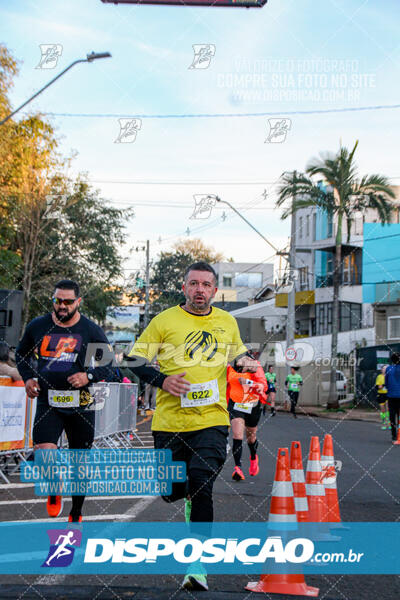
[115, 424]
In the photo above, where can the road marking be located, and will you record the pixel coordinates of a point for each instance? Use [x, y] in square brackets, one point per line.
[43, 500]
[13, 486]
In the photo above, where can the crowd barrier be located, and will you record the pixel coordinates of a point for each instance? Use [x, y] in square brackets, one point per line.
[115, 405]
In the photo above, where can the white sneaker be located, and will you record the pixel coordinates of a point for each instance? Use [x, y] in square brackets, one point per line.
[195, 582]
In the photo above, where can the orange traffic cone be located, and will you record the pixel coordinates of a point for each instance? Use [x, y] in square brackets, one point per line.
[329, 480]
[299, 483]
[315, 488]
[397, 442]
[283, 510]
[317, 507]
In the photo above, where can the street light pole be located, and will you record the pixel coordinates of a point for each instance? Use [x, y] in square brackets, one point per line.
[147, 289]
[290, 326]
[89, 58]
[248, 223]
[291, 318]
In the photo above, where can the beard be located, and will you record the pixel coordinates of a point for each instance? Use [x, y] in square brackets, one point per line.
[67, 316]
[201, 304]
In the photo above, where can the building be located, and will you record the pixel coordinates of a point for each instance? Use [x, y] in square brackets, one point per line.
[365, 252]
[10, 316]
[381, 279]
[240, 282]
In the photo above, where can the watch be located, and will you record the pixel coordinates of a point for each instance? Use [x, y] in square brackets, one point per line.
[89, 376]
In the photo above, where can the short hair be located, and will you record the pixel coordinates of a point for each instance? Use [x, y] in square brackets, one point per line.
[395, 358]
[4, 351]
[68, 284]
[270, 367]
[200, 266]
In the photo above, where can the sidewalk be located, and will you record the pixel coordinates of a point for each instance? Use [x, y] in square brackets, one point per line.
[351, 414]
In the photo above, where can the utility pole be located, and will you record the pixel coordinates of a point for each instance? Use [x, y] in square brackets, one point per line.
[147, 285]
[290, 325]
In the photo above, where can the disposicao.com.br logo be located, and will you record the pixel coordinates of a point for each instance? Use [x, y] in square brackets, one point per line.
[188, 550]
[62, 547]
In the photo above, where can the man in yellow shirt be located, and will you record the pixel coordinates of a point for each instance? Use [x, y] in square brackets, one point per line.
[381, 396]
[193, 344]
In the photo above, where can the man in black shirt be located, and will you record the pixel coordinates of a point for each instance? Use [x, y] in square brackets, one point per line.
[60, 341]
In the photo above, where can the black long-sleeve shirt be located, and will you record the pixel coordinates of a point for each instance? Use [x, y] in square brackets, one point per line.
[60, 352]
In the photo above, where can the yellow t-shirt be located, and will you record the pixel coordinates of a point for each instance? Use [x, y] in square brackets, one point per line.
[380, 380]
[201, 345]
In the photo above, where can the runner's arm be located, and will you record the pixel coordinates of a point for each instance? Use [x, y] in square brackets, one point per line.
[141, 367]
[24, 354]
[104, 372]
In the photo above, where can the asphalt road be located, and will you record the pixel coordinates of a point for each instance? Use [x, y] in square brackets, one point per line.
[369, 490]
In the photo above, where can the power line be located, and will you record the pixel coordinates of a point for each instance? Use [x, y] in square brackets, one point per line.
[222, 115]
[133, 204]
[147, 182]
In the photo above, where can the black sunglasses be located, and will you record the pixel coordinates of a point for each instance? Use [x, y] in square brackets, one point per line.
[66, 301]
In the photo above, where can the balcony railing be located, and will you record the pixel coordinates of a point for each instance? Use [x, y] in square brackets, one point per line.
[387, 292]
[322, 281]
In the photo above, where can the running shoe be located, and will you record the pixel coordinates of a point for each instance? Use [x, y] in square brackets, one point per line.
[238, 474]
[273, 411]
[195, 582]
[54, 506]
[72, 519]
[254, 469]
[188, 509]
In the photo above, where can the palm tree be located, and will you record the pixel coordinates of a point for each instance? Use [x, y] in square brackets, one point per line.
[344, 195]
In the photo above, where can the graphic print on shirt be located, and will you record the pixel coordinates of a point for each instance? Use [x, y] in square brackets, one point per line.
[60, 350]
[203, 340]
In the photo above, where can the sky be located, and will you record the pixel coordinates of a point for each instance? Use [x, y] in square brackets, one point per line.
[288, 57]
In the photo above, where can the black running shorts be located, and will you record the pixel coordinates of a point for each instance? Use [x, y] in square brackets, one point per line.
[77, 423]
[250, 419]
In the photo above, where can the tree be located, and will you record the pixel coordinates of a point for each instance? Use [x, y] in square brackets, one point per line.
[167, 279]
[198, 250]
[83, 242]
[343, 195]
[50, 226]
[167, 272]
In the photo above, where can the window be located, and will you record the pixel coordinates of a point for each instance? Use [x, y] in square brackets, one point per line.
[307, 225]
[300, 227]
[349, 317]
[323, 318]
[227, 281]
[329, 232]
[314, 226]
[393, 328]
[3, 318]
[303, 274]
[251, 280]
[350, 270]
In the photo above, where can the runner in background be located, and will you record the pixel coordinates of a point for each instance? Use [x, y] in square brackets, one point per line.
[270, 376]
[246, 394]
[392, 383]
[293, 382]
[381, 396]
[51, 358]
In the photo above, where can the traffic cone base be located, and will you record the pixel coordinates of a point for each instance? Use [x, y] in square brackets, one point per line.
[294, 585]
